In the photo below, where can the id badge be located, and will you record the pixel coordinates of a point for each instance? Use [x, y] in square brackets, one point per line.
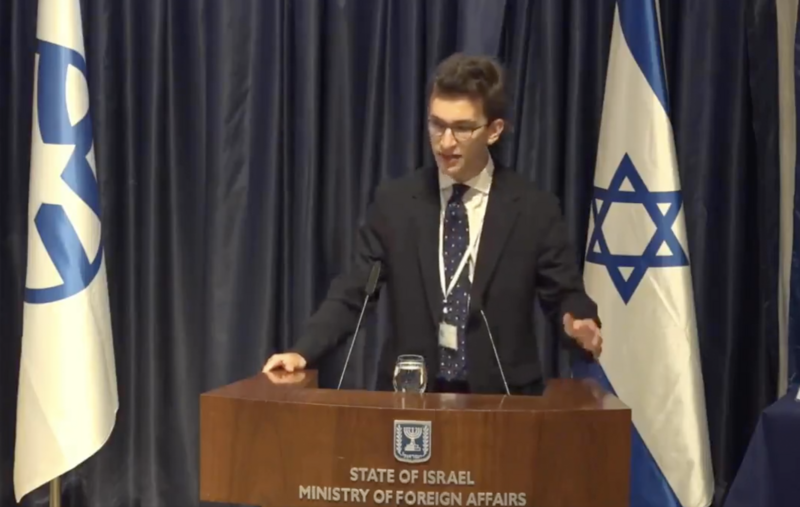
[448, 336]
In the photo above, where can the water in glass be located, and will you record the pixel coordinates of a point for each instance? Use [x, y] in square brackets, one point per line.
[410, 375]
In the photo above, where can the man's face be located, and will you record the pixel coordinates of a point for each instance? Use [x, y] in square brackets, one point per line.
[460, 135]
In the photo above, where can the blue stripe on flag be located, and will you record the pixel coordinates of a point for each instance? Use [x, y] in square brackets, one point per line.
[793, 370]
[649, 487]
[644, 42]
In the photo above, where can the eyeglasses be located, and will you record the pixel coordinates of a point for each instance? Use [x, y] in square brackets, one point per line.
[460, 133]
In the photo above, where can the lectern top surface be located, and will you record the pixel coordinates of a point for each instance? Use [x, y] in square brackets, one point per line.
[300, 387]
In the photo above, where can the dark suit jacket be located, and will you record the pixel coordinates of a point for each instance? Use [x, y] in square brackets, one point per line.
[523, 252]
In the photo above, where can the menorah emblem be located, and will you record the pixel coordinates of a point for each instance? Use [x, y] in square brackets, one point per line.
[406, 437]
[413, 434]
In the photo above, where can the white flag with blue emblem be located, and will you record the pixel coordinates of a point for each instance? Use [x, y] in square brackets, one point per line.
[67, 399]
[637, 270]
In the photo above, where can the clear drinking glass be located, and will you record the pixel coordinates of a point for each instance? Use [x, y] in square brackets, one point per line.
[410, 375]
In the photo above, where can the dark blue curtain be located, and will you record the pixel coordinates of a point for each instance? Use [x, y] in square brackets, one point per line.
[239, 142]
[793, 345]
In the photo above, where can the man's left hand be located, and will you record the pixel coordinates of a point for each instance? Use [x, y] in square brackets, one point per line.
[585, 332]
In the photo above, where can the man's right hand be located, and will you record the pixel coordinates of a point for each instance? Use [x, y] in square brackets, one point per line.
[289, 361]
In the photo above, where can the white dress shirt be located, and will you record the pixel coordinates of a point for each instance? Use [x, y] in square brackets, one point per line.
[475, 200]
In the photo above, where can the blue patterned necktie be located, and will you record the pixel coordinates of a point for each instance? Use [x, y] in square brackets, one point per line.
[456, 242]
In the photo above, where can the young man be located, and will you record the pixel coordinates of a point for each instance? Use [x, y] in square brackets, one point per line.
[455, 239]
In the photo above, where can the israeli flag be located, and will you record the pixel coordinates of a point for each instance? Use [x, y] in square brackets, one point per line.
[67, 399]
[637, 270]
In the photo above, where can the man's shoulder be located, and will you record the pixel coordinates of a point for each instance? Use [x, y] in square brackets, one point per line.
[528, 191]
[412, 183]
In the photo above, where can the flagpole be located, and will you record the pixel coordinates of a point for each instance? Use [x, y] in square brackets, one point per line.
[55, 492]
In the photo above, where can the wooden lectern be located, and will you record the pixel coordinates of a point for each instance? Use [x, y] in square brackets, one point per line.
[278, 440]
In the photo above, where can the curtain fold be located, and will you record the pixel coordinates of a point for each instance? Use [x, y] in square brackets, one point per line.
[239, 143]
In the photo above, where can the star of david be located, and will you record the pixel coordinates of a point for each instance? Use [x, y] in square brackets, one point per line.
[598, 251]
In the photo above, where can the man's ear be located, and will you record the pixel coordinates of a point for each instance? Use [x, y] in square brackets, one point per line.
[495, 130]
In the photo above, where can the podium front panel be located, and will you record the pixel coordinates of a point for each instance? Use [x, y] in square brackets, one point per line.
[271, 445]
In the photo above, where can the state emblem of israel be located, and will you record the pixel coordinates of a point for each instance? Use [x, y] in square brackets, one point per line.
[412, 441]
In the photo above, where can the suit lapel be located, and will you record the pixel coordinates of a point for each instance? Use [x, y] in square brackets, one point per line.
[501, 214]
[427, 213]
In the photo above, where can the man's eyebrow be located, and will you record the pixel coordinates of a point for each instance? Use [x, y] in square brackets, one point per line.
[457, 123]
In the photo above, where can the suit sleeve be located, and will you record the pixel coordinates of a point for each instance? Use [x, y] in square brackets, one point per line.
[337, 316]
[559, 279]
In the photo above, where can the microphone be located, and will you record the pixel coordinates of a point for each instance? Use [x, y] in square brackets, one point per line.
[496, 355]
[372, 284]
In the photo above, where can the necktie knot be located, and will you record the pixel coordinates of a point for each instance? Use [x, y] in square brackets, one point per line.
[459, 189]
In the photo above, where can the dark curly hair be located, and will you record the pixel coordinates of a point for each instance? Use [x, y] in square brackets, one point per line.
[477, 77]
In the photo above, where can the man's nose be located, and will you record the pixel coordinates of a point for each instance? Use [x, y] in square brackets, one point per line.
[448, 140]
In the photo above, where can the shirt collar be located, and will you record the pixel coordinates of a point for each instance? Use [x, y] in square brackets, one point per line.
[482, 182]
